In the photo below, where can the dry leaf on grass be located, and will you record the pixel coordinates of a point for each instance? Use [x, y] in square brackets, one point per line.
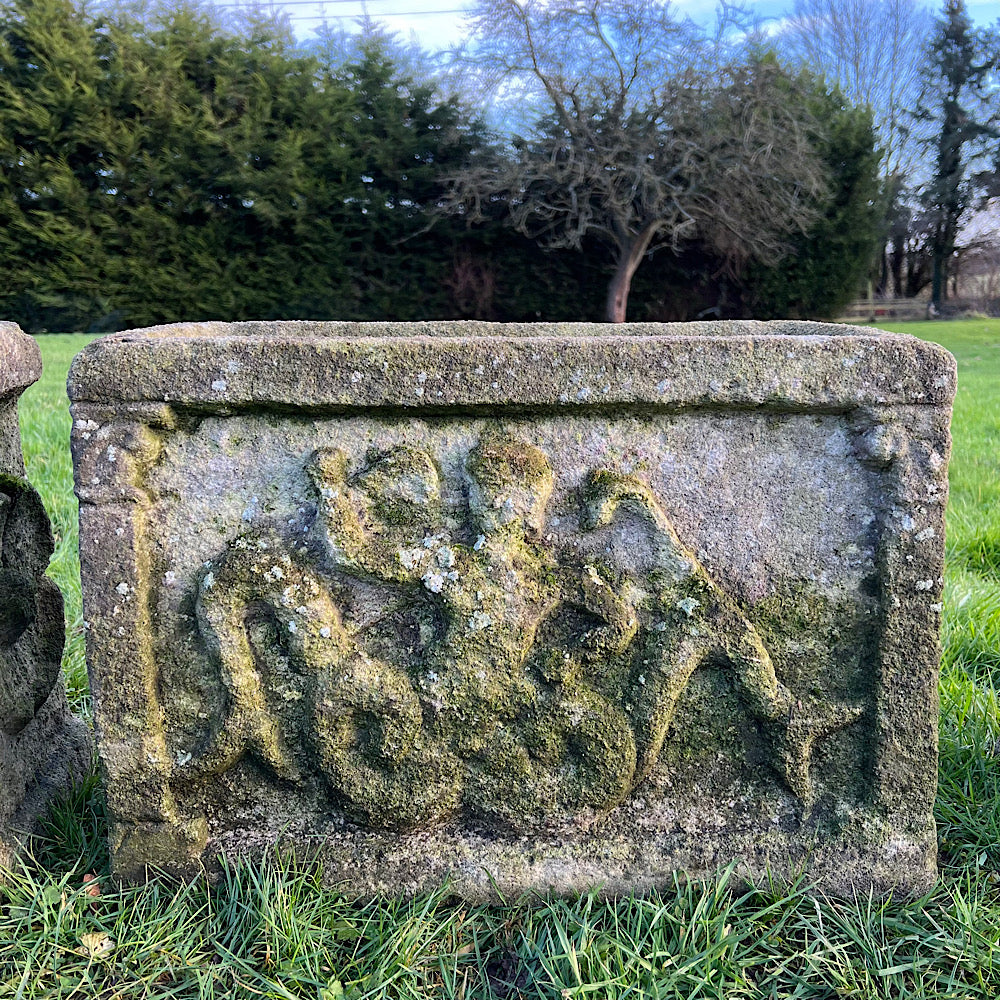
[96, 944]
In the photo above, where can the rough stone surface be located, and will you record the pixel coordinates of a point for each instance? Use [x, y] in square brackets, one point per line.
[541, 606]
[41, 745]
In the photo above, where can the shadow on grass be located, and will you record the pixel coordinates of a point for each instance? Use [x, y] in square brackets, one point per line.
[74, 833]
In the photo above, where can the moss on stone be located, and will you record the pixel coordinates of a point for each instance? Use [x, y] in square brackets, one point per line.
[540, 683]
[402, 485]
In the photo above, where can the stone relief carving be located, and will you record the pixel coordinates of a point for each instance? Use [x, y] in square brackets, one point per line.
[31, 609]
[432, 669]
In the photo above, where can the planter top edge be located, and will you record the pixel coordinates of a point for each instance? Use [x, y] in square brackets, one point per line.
[350, 329]
[798, 366]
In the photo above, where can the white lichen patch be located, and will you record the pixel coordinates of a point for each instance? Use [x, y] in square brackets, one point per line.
[479, 621]
[122, 588]
[479, 543]
[411, 558]
[445, 557]
[434, 582]
[208, 582]
[924, 535]
[924, 584]
[506, 508]
[688, 605]
[219, 385]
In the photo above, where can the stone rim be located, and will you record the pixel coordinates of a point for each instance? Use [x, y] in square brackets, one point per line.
[784, 366]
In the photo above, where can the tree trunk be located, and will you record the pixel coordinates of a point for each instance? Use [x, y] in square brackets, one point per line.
[882, 286]
[939, 282]
[896, 267]
[621, 281]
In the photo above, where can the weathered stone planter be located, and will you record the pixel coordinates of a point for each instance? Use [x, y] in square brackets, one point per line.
[557, 605]
[41, 745]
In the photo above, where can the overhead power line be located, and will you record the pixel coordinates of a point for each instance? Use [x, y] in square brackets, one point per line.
[233, 4]
[319, 16]
[299, 16]
[320, 4]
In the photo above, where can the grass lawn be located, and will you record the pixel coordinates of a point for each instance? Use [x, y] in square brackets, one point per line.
[271, 931]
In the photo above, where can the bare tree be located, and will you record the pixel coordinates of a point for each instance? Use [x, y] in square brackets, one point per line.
[644, 137]
[874, 51]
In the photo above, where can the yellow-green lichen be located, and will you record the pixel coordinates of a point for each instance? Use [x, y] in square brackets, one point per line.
[510, 686]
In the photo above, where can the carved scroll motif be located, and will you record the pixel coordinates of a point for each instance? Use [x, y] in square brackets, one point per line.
[502, 677]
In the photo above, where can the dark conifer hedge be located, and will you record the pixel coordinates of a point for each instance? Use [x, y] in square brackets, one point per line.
[168, 167]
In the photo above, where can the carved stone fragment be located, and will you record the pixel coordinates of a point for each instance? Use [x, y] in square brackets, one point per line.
[42, 746]
[542, 606]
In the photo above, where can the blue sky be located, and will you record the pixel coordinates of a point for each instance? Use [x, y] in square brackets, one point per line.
[438, 23]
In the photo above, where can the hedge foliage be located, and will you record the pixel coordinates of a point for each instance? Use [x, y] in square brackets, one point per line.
[160, 166]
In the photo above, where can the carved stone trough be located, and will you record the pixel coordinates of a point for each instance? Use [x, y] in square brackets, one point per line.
[550, 606]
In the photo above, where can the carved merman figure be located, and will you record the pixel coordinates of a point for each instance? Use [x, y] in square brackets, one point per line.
[546, 677]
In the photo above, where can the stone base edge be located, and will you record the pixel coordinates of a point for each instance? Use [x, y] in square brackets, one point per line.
[839, 867]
